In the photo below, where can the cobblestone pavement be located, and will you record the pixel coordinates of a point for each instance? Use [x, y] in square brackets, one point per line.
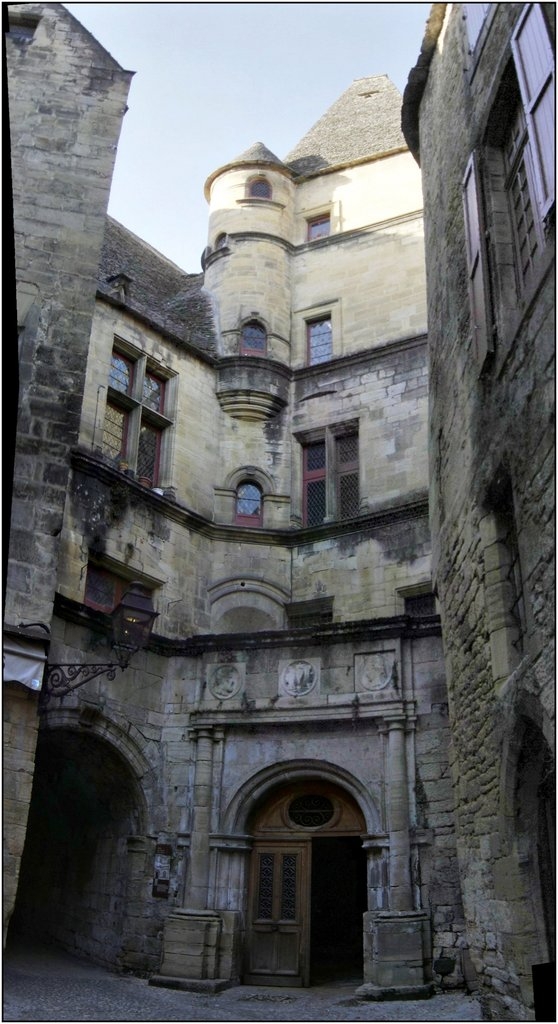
[43, 984]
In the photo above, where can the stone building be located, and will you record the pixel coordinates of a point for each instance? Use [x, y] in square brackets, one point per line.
[67, 97]
[484, 138]
[264, 792]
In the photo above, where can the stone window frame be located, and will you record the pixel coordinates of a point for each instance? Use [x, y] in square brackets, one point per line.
[226, 495]
[333, 472]
[137, 412]
[503, 578]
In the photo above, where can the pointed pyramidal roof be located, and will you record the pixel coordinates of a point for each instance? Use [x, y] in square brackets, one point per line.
[364, 122]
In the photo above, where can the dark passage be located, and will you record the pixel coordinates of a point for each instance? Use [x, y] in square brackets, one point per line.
[337, 905]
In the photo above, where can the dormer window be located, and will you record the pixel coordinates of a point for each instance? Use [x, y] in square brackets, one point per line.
[253, 341]
[259, 188]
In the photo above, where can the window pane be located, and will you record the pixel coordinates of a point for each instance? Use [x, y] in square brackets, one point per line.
[319, 341]
[148, 452]
[348, 495]
[265, 886]
[254, 338]
[288, 888]
[315, 456]
[120, 377]
[248, 500]
[318, 228]
[153, 392]
[347, 449]
[100, 589]
[315, 502]
[260, 189]
[114, 431]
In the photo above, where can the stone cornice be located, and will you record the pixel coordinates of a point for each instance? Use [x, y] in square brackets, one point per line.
[411, 506]
[359, 630]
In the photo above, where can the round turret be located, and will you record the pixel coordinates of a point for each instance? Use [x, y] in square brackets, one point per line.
[247, 260]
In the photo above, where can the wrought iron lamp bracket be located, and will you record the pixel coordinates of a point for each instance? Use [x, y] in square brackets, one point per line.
[62, 679]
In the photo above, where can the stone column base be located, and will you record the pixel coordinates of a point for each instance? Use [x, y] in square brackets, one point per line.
[397, 955]
[375, 992]
[191, 946]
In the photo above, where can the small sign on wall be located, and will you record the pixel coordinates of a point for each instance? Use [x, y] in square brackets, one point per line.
[161, 872]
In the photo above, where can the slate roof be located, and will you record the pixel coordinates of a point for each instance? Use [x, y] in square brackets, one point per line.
[157, 289]
[364, 122]
[258, 153]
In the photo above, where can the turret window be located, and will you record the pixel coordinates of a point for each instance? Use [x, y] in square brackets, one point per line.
[249, 506]
[253, 341]
[259, 188]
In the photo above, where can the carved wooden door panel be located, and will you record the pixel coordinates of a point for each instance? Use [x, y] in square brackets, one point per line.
[278, 939]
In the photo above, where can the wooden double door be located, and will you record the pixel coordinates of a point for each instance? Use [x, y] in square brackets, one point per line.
[307, 895]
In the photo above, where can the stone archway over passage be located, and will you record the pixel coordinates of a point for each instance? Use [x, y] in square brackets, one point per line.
[85, 804]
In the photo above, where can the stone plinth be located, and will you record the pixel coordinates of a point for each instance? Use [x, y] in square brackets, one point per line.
[397, 958]
[191, 952]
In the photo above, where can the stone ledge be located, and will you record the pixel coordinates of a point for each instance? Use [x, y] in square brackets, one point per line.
[208, 985]
[380, 993]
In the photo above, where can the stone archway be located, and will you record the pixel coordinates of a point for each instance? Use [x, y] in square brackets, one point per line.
[86, 803]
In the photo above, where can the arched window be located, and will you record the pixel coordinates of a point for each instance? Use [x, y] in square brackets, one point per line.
[253, 341]
[259, 188]
[221, 240]
[249, 506]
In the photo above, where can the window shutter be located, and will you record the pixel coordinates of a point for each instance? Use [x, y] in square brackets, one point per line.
[534, 63]
[475, 16]
[477, 262]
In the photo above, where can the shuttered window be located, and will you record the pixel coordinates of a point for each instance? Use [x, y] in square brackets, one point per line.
[534, 64]
[477, 264]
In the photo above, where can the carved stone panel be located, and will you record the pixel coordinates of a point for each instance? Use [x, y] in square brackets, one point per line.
[299, 678]
[225, 681]
[376, 671]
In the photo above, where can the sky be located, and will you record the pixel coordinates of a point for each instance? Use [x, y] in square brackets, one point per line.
[213, 78]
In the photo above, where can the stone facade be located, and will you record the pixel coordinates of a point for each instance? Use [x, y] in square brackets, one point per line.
[264, 792]
[491, 355]
[67, 98]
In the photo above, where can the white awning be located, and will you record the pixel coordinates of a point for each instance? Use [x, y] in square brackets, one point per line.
[24, 662]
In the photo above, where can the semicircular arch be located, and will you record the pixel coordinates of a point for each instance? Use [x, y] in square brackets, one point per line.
[94, 724]
[260, 786]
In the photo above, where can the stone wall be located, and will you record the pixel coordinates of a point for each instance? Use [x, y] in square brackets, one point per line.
[491, 431]
[67, 97]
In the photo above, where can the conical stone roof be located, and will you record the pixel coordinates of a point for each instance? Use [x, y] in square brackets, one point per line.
[255, 155]
[364, 122]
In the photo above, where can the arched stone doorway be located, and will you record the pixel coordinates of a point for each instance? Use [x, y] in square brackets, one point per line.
[307, 886]
[85, 805]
